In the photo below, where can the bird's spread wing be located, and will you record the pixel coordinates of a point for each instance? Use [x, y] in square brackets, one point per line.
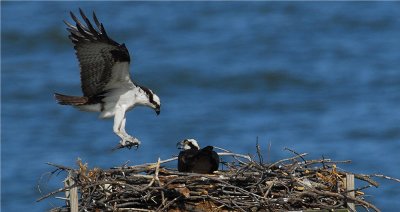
[98, 55]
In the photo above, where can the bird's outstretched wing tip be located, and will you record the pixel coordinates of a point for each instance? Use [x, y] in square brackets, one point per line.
[86, 31]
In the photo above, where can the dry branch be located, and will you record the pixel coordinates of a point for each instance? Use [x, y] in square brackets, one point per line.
[293, 183]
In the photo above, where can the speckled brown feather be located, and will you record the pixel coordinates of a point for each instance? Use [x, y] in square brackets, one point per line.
[71, 100]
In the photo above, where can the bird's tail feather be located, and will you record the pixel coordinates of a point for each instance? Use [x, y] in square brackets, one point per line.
[70, 100]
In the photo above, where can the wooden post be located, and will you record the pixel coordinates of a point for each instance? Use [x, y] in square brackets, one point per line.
[349, 187]
[71, 194]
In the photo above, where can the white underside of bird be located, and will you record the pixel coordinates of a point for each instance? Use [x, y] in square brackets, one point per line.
[121, 97]
[105, 78]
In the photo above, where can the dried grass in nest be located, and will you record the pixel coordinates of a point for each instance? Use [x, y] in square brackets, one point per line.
[245, 185]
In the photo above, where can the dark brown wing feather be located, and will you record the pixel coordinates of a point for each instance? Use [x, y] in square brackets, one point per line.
[204, 161]
[214, 161]
[182, 162]
[97, 54]
[71, 100]
[185, 160]
[208, 159]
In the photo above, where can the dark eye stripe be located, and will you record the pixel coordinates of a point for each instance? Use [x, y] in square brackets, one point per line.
[192, 146]
[149, 94]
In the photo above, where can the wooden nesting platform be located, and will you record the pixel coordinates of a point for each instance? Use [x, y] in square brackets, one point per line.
[244, 184]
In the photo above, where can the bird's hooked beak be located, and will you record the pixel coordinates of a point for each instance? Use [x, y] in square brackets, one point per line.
[180, 144]
[157, 109]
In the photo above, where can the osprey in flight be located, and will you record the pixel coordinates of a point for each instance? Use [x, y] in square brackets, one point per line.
[105, 79]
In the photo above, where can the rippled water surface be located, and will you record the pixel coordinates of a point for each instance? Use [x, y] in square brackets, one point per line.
[321, 78]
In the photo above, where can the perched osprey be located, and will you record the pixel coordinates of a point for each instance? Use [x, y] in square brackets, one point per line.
[105, 79]
[196, 160]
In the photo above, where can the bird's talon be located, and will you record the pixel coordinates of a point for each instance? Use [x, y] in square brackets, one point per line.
[129, 143]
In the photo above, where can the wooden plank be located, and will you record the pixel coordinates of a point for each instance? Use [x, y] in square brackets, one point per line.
[71, 194]
[350, 187]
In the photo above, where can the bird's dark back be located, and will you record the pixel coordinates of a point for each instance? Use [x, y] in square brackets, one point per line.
[204, 161]
[213, 159]
[185, 159]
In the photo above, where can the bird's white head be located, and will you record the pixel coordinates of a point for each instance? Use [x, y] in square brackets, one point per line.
[150, 99]
[189, 144]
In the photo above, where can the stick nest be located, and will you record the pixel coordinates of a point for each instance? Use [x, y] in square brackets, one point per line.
[245, 184]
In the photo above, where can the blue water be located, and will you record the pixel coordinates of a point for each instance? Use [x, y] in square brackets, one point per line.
[321, 78]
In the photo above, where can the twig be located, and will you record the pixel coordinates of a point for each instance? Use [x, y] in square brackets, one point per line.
[294, 152]
[287, 159]
[54, 192]
[288, 184]
[147, 165]
[60, 166]
[357, 189]
[366, 178]
[168, 204]
[260, 157]
[229, 153]
[386, 177]
[235, 155]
